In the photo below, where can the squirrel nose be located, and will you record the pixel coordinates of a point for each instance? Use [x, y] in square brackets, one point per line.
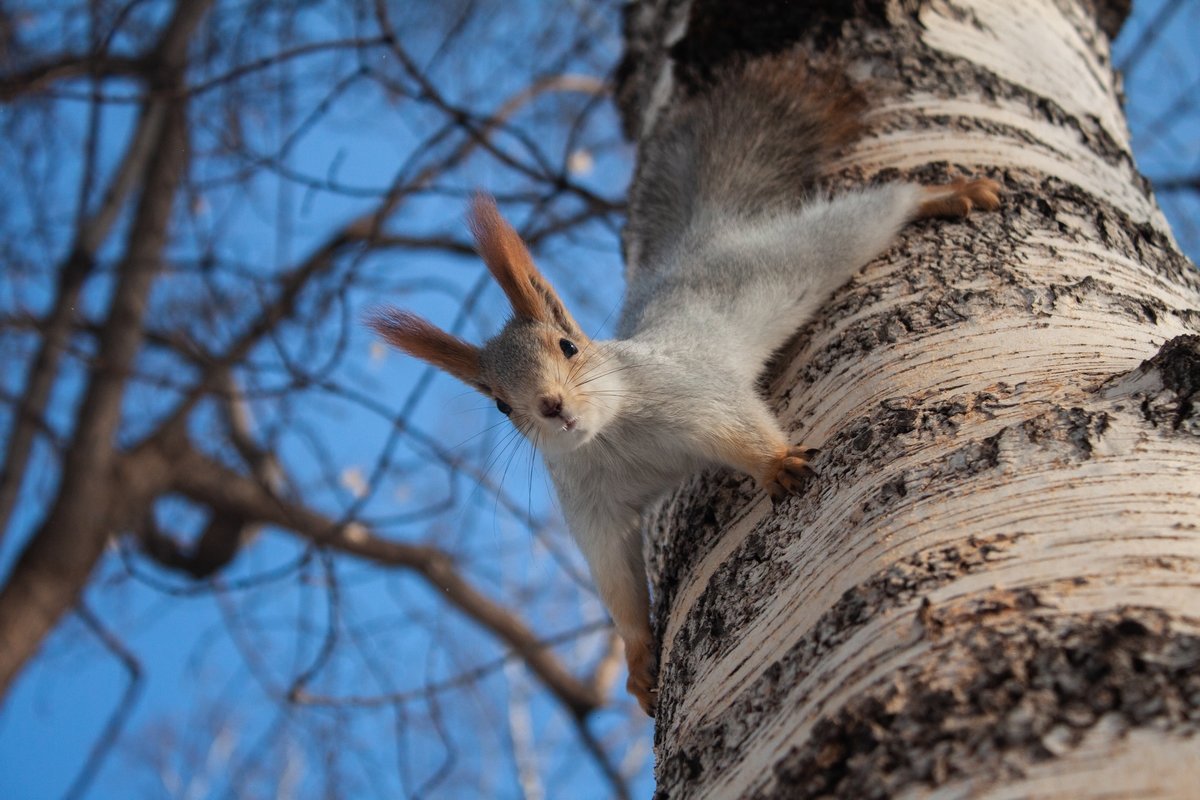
[551, 406]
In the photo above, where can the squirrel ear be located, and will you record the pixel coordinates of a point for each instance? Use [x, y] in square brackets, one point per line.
[421, 338]
[509, 261]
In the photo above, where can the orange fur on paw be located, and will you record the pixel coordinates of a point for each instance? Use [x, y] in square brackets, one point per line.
[642, 683]
[790, 473]
[957, 199]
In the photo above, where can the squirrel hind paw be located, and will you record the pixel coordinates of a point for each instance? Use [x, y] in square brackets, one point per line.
[957, 199]
[642, 685]
[647, 697]
[791, 473]
[643, 676]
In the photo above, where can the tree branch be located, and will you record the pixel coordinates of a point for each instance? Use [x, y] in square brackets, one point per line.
[367, 229]
[207, 481]
[57, 561]
[34, 78]
[120, 715]
[73, 272]
[1181, 183]
[219, 542]
[1150, 33]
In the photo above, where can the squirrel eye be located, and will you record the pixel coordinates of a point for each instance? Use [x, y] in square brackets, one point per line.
[504, 407]
[568, 347]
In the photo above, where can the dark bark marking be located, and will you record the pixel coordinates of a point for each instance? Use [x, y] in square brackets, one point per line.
[755, 567]
[1044, 300]
[991, 698]
[1178, 362]
[1064, 433]
[1111, 15]
[898, 585]
[1069, 432]
[1177, 366]
[1034, 205]
[633, 78]
[700, 525]
[885, 434]
[902, 64]
[720, 32]
[1021, 687]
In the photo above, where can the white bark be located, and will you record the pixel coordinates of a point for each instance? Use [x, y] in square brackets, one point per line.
[991, 590]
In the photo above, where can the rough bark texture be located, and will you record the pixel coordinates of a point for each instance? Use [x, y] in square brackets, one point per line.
[991, 591]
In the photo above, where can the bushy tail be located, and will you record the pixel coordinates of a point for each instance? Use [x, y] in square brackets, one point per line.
[757, 141]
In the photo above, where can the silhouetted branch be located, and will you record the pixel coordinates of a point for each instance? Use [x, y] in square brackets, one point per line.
[1150, 33]
[216, 486]
[181, 381]
[57, 561]
[38, 77]
[1183, 183]
[119, 718]
[90, 234]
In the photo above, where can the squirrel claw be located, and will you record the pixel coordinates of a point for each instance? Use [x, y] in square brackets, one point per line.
[958, 198]
[791, 473]
[646, 696]
[642, 680]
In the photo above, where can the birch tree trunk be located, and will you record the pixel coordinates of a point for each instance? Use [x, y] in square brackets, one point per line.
[992, 590]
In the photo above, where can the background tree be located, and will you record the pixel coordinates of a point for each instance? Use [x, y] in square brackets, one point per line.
[991, 588]
[204, 199]
[243, 551]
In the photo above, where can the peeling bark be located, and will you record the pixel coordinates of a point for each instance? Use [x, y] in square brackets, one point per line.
[991, 589]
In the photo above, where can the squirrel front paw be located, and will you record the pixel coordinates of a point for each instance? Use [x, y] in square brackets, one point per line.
[642, 683]
[789, 473]
[957, 199]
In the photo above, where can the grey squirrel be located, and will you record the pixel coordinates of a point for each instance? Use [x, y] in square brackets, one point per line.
[730, 249]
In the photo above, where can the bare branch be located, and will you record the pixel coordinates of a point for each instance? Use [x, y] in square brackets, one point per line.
[56, 563]
[91, 234]
[600, 756]
[35, 78]
[207, 481]
[455, 682]
[120, 714]
[1150, 33]
[216, 547]
[1181, 183]
[362, 233]
[202, 383]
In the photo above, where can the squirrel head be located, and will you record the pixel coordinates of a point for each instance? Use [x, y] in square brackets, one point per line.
[557, 386]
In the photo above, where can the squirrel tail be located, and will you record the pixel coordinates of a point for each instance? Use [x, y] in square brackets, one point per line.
[757, 141]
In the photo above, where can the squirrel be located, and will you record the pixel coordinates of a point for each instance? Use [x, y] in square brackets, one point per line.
[730, 248]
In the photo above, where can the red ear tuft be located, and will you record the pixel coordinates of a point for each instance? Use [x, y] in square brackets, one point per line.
[421, 338]
[507, 258]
